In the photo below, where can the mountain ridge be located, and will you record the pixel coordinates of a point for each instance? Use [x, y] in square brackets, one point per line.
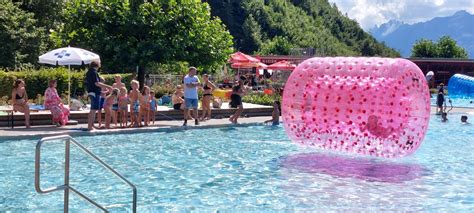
[402, 36]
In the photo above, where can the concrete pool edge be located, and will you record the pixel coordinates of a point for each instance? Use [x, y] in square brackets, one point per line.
[36, 133]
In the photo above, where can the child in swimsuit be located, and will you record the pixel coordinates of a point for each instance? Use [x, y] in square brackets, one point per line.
[145, 106]
[109, 101]
[103, 94]
[117, 84]
[153, 107]
[123, 106]
[375, 129]
[464, 119]
[135, 106]
[444, 117]
[177, 98]
[275, 114]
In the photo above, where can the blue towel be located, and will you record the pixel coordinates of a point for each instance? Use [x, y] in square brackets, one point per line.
[37, 107]
[166, 99]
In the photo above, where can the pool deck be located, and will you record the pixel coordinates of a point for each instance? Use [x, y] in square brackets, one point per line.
[43, 117]
[37, 132]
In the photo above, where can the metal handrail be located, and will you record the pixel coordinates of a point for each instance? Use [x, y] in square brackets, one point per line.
[66, 187]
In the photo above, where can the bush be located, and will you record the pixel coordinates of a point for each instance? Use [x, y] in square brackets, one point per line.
[260, 98]
[37, 80]
[161, 90]
[109, 79]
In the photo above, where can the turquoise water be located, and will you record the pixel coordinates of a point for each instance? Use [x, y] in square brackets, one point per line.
[456, 102]
[253, 168]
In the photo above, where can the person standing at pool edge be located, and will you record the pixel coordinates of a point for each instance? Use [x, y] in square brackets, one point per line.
[93, 86]
[191, 84]
[440, 100]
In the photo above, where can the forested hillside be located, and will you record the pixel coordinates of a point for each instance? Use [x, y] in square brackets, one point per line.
[277, 26]
[168, 35]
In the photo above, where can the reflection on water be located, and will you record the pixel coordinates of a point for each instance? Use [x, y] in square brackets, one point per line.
[347, 167]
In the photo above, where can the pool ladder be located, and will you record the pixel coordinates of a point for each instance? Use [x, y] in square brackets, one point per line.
[66, 187]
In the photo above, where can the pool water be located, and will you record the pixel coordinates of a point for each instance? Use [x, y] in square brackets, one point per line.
[253, 168]
[456, 102]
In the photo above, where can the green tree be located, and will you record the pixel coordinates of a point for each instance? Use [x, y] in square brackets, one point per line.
[21, 40]
[259, 26]
[424, 48]
[446, 47]
[48, 13]
[277, 46]
[253, 34]
[157, 32]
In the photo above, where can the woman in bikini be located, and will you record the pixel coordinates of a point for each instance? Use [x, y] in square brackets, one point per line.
[207, 87]
[20, 100]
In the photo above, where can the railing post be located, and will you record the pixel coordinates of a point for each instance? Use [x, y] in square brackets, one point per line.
[134, 205]
[66, 175]
[66, 187]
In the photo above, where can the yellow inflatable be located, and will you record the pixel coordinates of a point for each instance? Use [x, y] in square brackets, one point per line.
[223, 94]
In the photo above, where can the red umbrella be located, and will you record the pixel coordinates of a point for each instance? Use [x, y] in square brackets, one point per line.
[282, 65]
[242, 58]
[242, 65]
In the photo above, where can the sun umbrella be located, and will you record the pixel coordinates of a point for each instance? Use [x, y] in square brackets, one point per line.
[68, 56]
[282, 65]
[239, 57]
[241, 65]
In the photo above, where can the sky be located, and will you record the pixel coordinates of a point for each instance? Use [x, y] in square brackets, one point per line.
[370, 13]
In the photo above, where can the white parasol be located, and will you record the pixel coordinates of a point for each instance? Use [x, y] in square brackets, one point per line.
[68, 56]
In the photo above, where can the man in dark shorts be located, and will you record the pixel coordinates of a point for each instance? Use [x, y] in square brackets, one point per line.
[236, 100]
[93, 86]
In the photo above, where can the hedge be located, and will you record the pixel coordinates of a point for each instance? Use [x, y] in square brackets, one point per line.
[37, 80]
[261, 99]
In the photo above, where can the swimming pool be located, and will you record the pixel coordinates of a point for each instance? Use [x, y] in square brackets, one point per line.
[457, 102]
[253, 168]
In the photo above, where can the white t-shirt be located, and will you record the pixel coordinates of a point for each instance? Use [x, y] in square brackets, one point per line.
[191, 93]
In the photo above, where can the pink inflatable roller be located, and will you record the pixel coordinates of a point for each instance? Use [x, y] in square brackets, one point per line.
[371, 106]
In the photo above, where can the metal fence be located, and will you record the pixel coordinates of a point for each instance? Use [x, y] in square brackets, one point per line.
[162, 79]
